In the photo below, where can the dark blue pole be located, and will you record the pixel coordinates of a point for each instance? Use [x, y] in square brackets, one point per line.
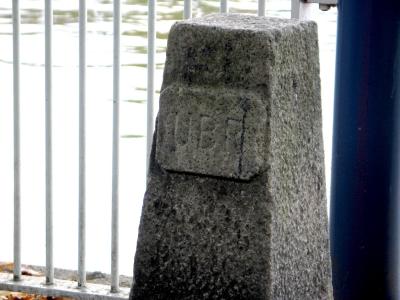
[365, 197]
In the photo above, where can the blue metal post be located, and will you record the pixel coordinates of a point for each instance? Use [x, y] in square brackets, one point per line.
[365, 209]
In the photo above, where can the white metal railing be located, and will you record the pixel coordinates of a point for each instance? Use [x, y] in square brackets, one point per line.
[151, 67]
[17, 161]
[115, 150]
[48, 98]
[82, 146]
[85, 291]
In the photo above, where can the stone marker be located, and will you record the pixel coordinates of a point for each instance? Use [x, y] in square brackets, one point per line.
[235, 206]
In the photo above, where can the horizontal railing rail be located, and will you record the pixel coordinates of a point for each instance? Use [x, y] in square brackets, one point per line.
[60, 288]
[83, 290]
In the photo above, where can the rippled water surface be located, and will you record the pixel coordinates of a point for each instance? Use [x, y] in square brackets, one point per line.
[99, 120]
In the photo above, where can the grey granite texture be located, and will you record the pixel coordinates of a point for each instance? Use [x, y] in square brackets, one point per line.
[235, 206]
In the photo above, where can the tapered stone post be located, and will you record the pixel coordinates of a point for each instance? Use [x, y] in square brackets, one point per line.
[235, 206]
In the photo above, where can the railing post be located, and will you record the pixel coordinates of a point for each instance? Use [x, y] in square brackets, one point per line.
[151, 53]
[223, 6]
[115, 151]
[82, 146]
[261, 8]
[48, 133]
[17, 162]
[300, 10]
[365, 199]
[187, 9]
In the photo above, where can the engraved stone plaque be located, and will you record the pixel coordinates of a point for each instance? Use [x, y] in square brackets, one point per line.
[216, 132]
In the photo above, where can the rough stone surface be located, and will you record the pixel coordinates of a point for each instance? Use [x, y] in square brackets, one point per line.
[235, 206]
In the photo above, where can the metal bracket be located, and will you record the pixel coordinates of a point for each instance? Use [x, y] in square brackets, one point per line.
[324, 5]
[300, 8]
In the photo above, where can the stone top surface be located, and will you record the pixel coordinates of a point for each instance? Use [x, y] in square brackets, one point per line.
[243, 22]
[231, 50]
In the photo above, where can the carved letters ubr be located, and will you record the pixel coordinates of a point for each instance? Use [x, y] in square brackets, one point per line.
[205, 138]
[199, 132]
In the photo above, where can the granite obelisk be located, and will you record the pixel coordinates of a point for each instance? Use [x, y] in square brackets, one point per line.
[235, 206]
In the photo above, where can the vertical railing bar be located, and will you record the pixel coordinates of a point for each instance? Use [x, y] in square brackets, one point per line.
[301, 10]
[82, 161]
[48, 133]
[17, 161]
[295, 9]
[187, 9]
[150, 75]
[115, 151]
[261, 8]
[223, 6]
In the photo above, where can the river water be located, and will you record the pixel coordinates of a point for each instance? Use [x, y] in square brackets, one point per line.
[99, 120]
